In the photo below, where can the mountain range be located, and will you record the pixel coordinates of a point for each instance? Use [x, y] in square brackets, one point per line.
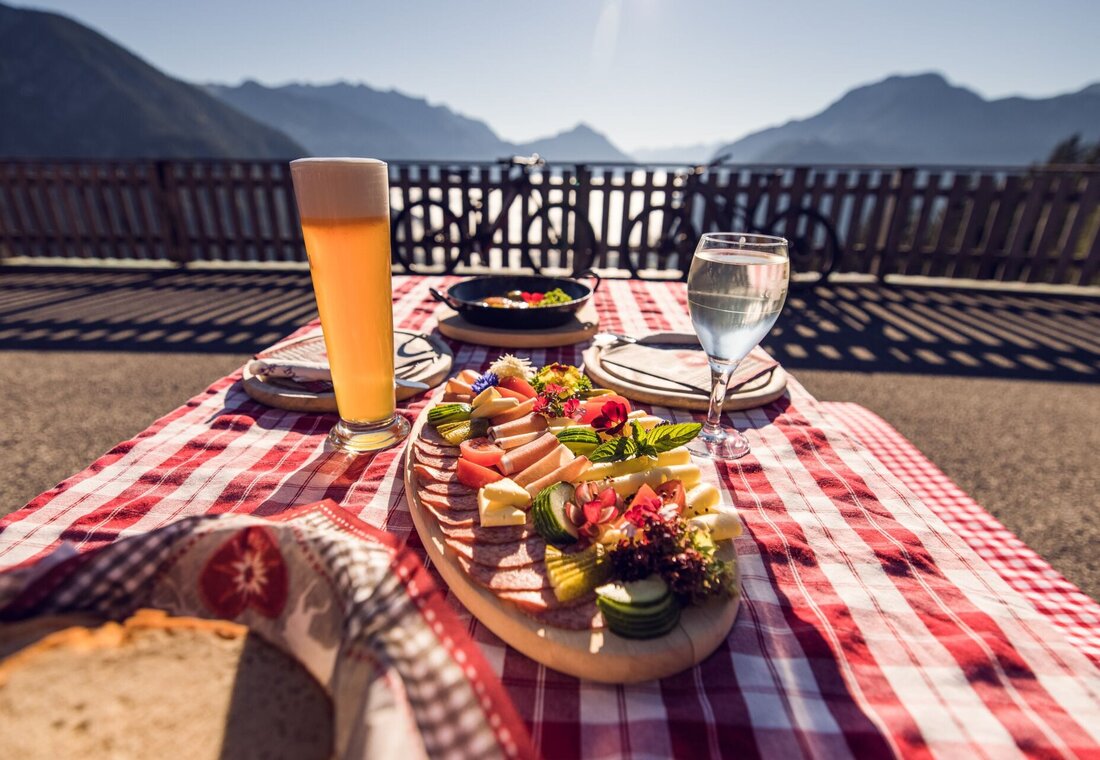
[68, 91]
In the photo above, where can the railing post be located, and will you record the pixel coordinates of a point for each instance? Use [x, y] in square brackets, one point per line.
[582, 227]
[169, 214]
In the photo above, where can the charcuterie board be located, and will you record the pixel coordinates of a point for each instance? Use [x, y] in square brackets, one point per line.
[597, 655]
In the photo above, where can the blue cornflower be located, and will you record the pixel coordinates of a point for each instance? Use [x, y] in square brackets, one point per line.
[487, 380]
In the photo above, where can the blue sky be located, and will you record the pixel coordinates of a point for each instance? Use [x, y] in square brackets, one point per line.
[645, 72]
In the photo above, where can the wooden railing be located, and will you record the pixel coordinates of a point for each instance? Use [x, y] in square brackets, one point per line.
[1014, 224]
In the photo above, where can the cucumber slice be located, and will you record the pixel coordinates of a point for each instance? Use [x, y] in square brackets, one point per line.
[636, 593]
[664, 618]
[579, 440]
[443, 413]
[549, 515]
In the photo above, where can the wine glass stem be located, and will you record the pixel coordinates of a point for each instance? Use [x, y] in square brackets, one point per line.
[720, 373]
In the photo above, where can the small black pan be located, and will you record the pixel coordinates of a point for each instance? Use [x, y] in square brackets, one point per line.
[464, 296]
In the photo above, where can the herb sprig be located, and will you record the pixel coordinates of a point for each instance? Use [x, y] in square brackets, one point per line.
[646, 443]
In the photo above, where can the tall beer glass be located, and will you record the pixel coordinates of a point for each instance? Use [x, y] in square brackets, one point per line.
[345, 210]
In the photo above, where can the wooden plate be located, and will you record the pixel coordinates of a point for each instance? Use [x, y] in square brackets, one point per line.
[424, 358]
[592, 655]
[583, 326]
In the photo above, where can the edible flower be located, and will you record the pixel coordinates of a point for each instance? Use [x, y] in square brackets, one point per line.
[612, 418]
[645, 507]
[511, 366]
[557, 401]
[488, 380]
[564, 375]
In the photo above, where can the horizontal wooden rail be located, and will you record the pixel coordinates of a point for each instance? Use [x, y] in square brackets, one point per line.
[1009, 224]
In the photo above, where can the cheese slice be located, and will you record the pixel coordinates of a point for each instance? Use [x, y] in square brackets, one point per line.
[676, 456]
[702, 499]
[604, 470]
[506, 493]
[494, 515]
[688, 474]
[486, 396]
[646, 422]
[493, 407]
[721, 525]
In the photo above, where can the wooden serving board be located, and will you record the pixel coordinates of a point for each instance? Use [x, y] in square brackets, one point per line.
[423, 358]
[662, 389]
[592, 655]
[583, 326]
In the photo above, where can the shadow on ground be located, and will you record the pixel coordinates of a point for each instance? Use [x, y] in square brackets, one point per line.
[862, 328]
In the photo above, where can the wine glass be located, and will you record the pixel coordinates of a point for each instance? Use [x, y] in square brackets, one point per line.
[736, 288]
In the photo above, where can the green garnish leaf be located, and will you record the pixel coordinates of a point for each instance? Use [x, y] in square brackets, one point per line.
[668, 437]
[615, 450]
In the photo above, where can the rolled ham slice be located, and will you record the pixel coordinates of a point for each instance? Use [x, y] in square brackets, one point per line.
[524, 408]
[530, 424]
[526, 455]
[468, 376]
[553, 461]
[566, 474]
[515, 441]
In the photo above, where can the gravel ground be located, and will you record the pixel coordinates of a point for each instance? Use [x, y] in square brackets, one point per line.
[1024, 449]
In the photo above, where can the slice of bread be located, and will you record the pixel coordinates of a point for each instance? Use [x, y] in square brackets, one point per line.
[155, 686]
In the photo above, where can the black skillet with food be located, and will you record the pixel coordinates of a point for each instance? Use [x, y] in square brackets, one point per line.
[518, 302]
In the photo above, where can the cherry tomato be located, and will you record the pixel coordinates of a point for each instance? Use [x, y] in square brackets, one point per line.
[481, 451]
[474, 475]
[593, 407]
[672, 492]
[517, 384]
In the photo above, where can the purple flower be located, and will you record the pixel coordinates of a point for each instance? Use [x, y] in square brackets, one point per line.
[488, 380]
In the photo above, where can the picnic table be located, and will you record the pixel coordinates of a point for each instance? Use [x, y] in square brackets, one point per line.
[883, 612]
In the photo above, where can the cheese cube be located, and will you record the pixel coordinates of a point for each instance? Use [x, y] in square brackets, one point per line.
[493, 515]
[702, 499]
[506, 493]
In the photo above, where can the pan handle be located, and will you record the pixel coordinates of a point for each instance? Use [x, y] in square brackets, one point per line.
[590, 273]
[445, 298]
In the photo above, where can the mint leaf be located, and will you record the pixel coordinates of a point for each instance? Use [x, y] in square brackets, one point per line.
[615, 450]
[668, 437]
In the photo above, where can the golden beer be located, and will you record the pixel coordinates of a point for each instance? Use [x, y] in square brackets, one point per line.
[344, 207]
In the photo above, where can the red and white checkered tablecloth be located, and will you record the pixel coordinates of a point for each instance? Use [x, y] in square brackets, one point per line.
[874, 620]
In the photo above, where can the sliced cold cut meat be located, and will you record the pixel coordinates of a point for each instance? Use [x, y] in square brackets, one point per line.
[527, 578]
[526, 455]
[432, 475]
[515, 441]
[524, 408]
[439, 463]
[567, 473]
[474, 535]
[530, 551]
[558, 457]
[530, 424]
[430, 435]
[446, 490]
[464, 502]
[448, 518]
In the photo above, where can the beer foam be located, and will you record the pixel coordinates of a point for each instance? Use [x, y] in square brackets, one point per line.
[341, 188]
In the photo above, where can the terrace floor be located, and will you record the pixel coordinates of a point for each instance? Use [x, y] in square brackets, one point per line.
[1001, 389]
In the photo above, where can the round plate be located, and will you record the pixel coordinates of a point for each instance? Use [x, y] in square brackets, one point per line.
[591, 655]
[423, 358]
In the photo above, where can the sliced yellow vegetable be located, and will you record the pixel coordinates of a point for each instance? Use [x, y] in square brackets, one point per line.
[486, 396]
[506, 493]
[494, 515]
[494, 407]
[701, 499]
[721, 525]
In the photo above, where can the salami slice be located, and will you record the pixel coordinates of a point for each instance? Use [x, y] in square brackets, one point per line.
[432, 475]
[523, 553]
[446, 490]
[438, 461]
[473, 538]
[466, 502]
[427, 447]
[447, 518]
[531, 601]
[529, 578]
[430, 435]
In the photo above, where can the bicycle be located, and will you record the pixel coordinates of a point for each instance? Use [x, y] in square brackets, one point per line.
[469, 233]
[813, 243]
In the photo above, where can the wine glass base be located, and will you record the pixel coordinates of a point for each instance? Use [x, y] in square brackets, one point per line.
[729, 444]
[359, 438]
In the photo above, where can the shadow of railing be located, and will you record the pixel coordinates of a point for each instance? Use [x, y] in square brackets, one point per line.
[1021, 333]
[939, 330]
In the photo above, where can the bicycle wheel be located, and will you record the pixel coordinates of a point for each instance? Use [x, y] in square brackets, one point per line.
[673, 249]
[435, 231]
[813, 244]
[570, 240]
